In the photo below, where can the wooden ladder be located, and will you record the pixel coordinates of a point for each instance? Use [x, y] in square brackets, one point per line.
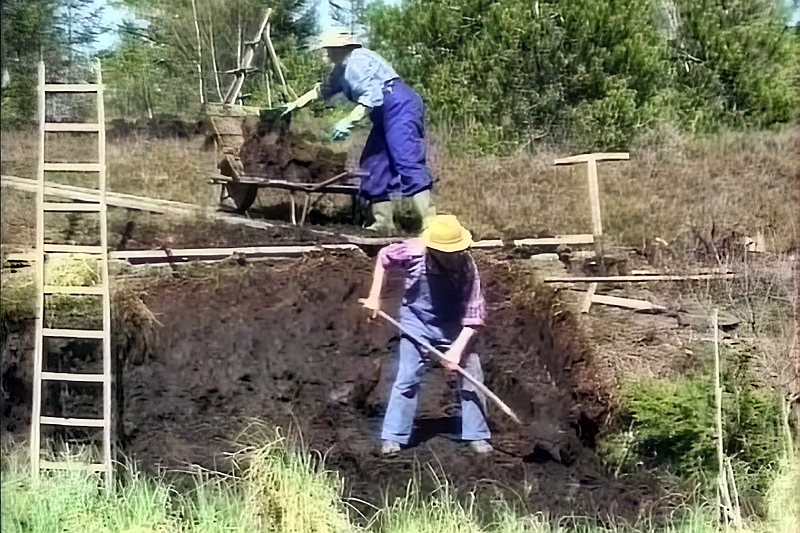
[100, 254]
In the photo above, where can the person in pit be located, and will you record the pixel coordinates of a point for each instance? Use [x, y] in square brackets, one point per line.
[394, 156]
[443, 305]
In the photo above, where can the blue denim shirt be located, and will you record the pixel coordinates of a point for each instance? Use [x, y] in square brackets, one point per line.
[360, 78]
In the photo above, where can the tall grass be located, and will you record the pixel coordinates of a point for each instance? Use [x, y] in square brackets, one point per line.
[284, 488]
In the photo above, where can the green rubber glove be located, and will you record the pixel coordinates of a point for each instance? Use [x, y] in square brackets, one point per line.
[341, 129]
[304, 100]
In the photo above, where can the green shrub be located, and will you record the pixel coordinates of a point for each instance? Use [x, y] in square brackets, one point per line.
[595, 73]
[671, 425]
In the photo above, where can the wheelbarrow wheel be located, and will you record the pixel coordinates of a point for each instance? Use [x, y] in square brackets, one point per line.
[238, 198]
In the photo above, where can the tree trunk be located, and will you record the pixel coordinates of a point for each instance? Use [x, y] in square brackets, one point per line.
[199, 53]
[214, 56]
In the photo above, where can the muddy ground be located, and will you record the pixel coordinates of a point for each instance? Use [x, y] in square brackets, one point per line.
[288, 343]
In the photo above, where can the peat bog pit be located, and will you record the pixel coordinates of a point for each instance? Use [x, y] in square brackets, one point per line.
[290, 344]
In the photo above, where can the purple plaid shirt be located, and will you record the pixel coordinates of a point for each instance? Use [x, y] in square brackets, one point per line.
[410, 256]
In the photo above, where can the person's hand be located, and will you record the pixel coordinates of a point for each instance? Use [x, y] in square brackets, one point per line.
[341, 129]
[373, 304]
[288, 108]
[452, 359]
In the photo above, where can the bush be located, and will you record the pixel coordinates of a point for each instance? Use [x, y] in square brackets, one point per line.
[670, 425]
[592, 72]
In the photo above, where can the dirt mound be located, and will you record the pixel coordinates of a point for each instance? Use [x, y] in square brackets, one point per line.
[290, 344]
[275, 152]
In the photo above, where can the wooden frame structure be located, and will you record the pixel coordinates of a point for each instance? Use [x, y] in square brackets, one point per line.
[591, 161]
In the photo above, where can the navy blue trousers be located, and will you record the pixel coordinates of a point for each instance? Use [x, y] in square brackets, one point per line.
[394, 155]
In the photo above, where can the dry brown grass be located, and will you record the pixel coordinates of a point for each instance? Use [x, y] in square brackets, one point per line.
[744, 181]
[171, 169]
[737, 181]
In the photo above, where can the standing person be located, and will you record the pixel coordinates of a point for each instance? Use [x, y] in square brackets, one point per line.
[443, 305]
[395, 153]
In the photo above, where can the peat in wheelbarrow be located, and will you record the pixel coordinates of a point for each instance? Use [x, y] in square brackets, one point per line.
[274, 152]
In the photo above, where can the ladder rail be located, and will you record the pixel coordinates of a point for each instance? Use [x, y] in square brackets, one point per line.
[36, 429]
[99, 252]
[101, 153]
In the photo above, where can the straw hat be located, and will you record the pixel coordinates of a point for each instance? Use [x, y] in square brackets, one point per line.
[446, 234]
[337, 37]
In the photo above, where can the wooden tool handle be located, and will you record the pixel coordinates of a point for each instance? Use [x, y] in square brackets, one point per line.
[329, 181]
[480, 386]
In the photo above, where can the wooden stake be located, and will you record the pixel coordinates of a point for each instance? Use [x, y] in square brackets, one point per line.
[723, 496]
[587, 302]
[594, 199]
[594, 187]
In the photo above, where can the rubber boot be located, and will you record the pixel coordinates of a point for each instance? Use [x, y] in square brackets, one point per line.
[383, 212]
[423, 207]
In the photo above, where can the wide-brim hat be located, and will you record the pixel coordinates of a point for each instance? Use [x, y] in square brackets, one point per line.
[445, 233]
[337, 37]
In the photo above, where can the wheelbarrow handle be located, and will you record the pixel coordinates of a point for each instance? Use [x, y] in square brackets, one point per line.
[480, 386]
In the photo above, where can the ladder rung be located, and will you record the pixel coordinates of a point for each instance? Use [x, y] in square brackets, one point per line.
[73, 333]
[71, 127]
[66, 376]
[77, 290]
[72, 167]
[74, 422]
[60, 465]
[71, 87]
[70, 207]
[72, 249]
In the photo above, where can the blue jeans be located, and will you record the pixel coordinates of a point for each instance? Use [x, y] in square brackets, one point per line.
[399, 419]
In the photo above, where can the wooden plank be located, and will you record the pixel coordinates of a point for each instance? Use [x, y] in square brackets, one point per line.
[152, 205]
[71, 87]
[628, 303]
[558, 239]
[636, 279]
[72, 167]
[600, 156]
[78, 378]
[489, 243]
[61, 465]
[73, 422]
[93, 195]
[71, 127]
[186, 253]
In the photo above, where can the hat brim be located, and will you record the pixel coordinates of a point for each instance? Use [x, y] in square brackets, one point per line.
[322, 46]
[463, 243]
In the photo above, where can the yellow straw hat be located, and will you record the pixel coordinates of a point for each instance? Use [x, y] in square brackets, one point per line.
[446, 234]
[337, 37]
